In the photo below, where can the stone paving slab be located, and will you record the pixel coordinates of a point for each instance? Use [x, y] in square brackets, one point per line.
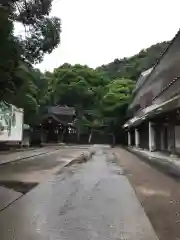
[23, 176]
[7, 196]
[88, 201]
[16, 156]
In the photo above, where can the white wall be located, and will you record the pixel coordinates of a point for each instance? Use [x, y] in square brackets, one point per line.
[16, 130]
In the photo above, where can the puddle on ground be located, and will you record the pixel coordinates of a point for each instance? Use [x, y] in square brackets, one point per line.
[22, 187]
[153, 192]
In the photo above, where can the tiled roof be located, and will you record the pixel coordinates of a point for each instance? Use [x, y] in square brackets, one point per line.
[144, 75]
[59, 110]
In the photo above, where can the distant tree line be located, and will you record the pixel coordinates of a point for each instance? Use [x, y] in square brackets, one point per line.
[133, 66]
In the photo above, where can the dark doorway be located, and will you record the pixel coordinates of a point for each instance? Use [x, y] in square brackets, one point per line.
[52, 130]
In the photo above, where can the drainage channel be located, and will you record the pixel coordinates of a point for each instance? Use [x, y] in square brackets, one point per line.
[17, 186]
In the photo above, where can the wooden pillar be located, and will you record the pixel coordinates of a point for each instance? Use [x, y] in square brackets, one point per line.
[152, 144]
[129, 138]
[162, 139]
[137, 138]
[172, 141]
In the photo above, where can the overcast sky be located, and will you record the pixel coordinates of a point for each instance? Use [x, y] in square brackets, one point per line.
[95, 32]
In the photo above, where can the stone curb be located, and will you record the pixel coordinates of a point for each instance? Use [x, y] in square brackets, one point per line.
[16, 150]
[168, 167]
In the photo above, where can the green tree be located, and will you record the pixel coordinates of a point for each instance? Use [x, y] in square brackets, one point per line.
[77, 86]
[32, 95]
[26, 96]
[41, 36]
[114, 104]
[42, 32]
[10, 55]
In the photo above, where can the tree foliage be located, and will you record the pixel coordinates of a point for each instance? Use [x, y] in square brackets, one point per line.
[30, 94]
[41, 36]
[41, 32]
[118, 95]
[76, 86]
[114, 103]
[10, 55]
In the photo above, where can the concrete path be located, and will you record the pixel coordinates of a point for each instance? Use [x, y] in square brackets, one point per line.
[92, 200]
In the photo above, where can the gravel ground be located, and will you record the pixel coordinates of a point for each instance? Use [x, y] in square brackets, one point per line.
[158, 193]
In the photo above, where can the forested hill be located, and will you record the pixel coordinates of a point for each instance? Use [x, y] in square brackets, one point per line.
[132, 67]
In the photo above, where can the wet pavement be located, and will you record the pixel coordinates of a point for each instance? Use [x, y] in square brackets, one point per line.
[91, 200]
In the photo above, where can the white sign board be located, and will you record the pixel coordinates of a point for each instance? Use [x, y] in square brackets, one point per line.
[11, 123]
